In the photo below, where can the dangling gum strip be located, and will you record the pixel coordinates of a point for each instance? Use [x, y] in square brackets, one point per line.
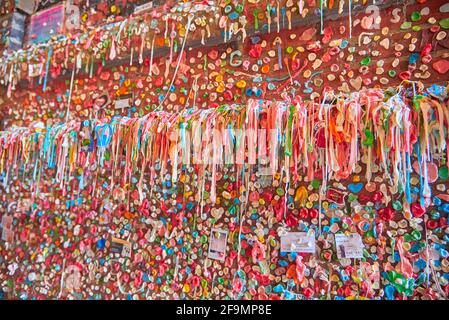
[309, 154]
[194, 88]
[372, 126]
[152, 164]
[128, 152]
[441, 116]
[425, 144]
[304, 139]
[279, 125]
[405, 265]
[171, 43]
[185, 144]
[142, 44]
[332, 147]
[356, 120]
[350, 19]
[408, 168]
[164, 150]
[215, 145]
[446, 112]
[230, 145]
[403, 147]
[61, 162]
[353, 111]
[287, 183]
[368, 174]
[325, 164]
[249, 132]
[150, 72]
[218, 156]
[397, 153]
[400, 146]
[131, 56]
[242, 214]
[425, 107]
[252, 123]
[295, 146]
[72, 80]
[311, 118]
[125, 148]
[382, 142]
[240, 142]
[269, 113]
[47, 68]
[157, 150]
[274, 132]
[201, 176]
[287, 154]
[277, 16]
[174, 147]
[114, 155]
[10, 80]
[196, 136]
[166, 27]
[395, 141]
[61, 283]
[142, 171]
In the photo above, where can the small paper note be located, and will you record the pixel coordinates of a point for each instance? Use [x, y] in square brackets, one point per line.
[121, 246]
[124, 102]
[7, 222]
[298, 242]
[7, 235]
[349, 246]
[217, 244]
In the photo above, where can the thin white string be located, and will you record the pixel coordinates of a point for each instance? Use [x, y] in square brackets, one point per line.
[350, 19]
[189, 22]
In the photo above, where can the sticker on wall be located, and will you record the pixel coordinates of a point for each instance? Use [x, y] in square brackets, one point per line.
[17, 31]
[6, 222]
[45, 24]
[143, 8]
[34, 70]
[217, 244]
[298, 242]
[121, 247]
[124, 102]
[7, 235]
[349, 246]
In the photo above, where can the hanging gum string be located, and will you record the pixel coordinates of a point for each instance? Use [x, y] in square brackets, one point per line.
[56, 153]
[350, 19]
[321, 17]
[47, 68]
[72, 79]
[189, 22]
[151, 58]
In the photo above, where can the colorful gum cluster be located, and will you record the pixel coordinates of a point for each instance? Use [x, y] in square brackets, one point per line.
[123, 185]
